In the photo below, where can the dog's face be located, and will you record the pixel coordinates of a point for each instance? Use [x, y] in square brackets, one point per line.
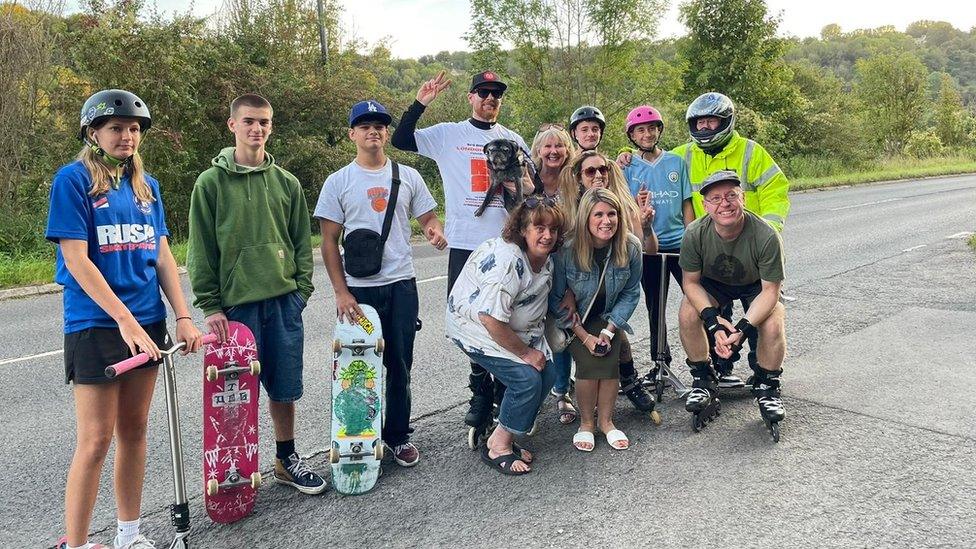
[501, 154]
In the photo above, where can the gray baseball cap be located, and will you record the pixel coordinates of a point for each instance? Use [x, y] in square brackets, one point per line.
[720, 177]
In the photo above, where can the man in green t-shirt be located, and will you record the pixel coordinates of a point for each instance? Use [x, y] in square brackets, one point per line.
[732, 254]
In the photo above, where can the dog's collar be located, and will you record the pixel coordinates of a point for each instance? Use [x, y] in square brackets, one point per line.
[481, 125]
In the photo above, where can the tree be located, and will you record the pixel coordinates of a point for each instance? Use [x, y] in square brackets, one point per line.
[949, 113]
[892, 92]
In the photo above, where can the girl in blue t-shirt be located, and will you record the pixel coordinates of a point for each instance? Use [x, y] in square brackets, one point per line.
[113, 257]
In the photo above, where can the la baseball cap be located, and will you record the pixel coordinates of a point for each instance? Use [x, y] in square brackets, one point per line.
[369, 110]
[487, 77]
[720, 177]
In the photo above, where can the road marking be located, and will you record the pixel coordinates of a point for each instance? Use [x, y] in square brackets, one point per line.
[32, 357]
[914, 247]
[432, 279]
[964, 234]
[866, 204]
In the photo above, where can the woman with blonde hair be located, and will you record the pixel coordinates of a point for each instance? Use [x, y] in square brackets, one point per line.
[551, 150]
[602, 266]
[589, 170]
[113, 258]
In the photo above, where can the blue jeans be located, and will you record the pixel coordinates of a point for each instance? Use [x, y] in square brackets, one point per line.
[398, 305]
[526, 388]
[564, 363]
[280, 338]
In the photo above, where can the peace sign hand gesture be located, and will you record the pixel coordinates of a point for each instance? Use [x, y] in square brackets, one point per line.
[430, 89]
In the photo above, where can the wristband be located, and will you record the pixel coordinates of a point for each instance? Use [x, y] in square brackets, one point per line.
[179, 318]
[746, 328]
[607, 333]
[709, 316]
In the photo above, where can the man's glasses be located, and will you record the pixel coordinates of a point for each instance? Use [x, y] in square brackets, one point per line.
[485, 92]
[592, 170]
[532, 202]
[729, 197]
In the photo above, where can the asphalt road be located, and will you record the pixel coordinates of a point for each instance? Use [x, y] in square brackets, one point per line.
[877, 449]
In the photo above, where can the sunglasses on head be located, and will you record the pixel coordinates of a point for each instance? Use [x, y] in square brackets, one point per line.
[532, 202]
[591, 171]
[485, 92]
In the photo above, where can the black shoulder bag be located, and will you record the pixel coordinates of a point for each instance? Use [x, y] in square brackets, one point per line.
[363, 248]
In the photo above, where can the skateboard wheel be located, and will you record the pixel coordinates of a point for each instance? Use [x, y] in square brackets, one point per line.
[255, 480]
[211, 373]
[379, 346]
[255, 368]
[334, 455]
[378, 452]
[656, 417]
[212, 487]
[472, 438]
[336, 346]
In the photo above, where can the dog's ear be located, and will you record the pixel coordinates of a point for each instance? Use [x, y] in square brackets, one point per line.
[514, 145]
[485, 148]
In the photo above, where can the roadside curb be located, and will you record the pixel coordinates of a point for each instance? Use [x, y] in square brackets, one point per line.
[42, 289]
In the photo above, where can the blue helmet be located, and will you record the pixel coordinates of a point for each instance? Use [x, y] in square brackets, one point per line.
[711, 104]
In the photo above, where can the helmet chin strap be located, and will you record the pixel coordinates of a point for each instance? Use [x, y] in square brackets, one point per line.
[643, 149]
[109, 159]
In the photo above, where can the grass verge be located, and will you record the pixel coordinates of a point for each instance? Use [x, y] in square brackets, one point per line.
[25, 271]
[899, 168]
[972, 242]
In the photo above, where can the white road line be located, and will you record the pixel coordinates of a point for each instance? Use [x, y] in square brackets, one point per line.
[914, 247]
[31, 357]
[866, 204]
[964, 234]
[432, 279]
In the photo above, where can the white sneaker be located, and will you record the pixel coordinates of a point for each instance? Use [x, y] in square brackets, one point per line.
[141, 542]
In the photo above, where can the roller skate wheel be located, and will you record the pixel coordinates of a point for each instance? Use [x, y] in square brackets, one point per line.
[334, 455]
[696, 423]
[380, 345]
[774, 431]
[472, 438]
[211, 373]
[256, 480]
[255, 368]
[336, 346]
[656, 417]
[378, 452]
[212, 487]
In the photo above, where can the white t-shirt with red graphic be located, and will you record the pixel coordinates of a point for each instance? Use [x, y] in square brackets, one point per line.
[458, 149]
[356, 198]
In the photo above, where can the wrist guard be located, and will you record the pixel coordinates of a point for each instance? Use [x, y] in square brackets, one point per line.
[746, 328]
[709, 316]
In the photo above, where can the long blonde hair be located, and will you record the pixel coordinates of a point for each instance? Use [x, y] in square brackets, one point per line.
[571, 186]
[103, 175]
[583, 243]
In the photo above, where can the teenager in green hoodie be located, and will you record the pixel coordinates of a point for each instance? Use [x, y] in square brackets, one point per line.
[250, 260]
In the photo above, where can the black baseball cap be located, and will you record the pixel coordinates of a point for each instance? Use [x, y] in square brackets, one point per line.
[720, 177]
[487, 77]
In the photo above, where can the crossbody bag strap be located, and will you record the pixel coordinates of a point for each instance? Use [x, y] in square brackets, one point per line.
[391, 206]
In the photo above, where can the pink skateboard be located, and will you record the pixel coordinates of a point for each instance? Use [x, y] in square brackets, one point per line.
[230, 425]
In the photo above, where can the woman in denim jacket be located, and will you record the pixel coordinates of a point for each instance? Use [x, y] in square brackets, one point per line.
[602, 241]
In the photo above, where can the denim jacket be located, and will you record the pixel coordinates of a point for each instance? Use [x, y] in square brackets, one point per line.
[623, 285]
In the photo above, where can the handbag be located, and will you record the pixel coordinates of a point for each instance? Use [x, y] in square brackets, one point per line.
[363, 248]
[560, 338]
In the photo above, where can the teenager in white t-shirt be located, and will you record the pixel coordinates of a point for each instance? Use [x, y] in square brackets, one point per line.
[357, 197]
[457, 147]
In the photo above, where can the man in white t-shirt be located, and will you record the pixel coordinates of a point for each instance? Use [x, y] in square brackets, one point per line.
[457, 147]
[357, 197]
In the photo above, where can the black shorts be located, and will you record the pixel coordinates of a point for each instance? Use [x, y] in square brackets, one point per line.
[87, 352]
[727, 293]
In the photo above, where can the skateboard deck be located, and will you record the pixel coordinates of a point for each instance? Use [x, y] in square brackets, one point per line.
[230, 425]
[357, 403]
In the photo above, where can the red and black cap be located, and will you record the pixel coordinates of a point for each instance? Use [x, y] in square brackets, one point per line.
[485, 78]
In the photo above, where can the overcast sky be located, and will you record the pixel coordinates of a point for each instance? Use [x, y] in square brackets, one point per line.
[419, 27]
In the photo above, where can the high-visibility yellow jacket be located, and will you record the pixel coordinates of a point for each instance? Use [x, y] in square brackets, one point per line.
[764, 184]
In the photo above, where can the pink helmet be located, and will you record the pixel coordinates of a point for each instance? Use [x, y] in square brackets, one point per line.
[642, 115]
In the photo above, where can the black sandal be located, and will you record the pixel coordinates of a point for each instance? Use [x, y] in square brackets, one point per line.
[520, 452]
[502, 463]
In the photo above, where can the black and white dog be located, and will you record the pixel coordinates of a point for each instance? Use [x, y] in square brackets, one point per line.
[505, 160]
